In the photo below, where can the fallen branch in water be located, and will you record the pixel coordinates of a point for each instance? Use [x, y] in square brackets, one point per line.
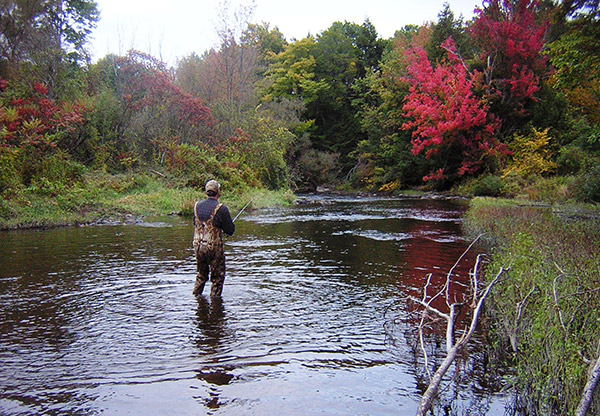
[453, 348]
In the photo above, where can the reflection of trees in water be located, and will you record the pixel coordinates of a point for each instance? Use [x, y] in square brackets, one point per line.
[211, 323]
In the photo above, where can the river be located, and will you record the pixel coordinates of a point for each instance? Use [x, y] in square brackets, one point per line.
[313, 319]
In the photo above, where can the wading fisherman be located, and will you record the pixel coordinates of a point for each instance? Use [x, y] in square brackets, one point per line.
[211, 220]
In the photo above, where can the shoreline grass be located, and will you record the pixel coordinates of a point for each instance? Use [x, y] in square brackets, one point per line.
[545, 316]
[102, 197]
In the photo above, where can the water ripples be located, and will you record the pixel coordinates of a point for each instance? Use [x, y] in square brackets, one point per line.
[101, 319]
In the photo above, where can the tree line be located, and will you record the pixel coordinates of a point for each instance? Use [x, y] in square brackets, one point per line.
[490, 104]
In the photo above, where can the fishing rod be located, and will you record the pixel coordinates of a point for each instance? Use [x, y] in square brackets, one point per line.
[242, 210]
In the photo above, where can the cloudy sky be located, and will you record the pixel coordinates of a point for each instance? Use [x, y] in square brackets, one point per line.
[175, 28]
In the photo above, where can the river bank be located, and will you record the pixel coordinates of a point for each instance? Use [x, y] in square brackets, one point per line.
[545, 316]
[124, 198]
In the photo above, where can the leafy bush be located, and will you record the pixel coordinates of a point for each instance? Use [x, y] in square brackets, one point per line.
[59, 168]
[9, 174]
[488, 185]
[552, 189]
[531, 155]
[570, 160]
[588, 184]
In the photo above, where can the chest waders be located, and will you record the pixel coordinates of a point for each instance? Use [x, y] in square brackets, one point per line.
[210, 255]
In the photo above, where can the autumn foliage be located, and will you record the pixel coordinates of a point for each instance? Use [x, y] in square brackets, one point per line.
[446, 118]
[510, 36]
[147, 86]
[36, 121]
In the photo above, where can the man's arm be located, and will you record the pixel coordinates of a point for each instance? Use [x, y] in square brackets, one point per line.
[226, 222]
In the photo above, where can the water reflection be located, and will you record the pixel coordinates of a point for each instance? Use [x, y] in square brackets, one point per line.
[102, 319]
[211, 323]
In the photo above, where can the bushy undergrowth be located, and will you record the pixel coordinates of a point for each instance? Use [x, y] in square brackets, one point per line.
[546, 314]
[584, 187]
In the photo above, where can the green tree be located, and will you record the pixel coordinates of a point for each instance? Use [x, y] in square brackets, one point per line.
[384, 158]
[446, 26]
[291, 74]
[48, 35]
[344, 53]
[576, 58]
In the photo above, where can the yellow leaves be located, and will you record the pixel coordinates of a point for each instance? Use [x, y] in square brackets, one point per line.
[8, 115]
[587, 98]
[31, 125]
[531, 155]
[391, 186]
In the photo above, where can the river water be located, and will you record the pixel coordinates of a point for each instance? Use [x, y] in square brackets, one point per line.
[313, 319]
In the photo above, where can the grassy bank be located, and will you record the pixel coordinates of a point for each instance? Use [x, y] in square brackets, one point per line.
[100, 197]
[545, 315]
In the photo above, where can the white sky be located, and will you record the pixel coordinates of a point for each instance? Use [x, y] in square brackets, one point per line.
[175, 28]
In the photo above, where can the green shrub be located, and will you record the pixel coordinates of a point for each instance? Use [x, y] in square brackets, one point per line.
[570, 160]
[553, 189]
[588, 185]
[488, 185]
[9, 174]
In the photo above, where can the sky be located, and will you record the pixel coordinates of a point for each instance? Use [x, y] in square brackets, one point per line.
[173, 29]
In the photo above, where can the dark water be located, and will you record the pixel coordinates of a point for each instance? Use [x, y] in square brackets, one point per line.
[101, 320]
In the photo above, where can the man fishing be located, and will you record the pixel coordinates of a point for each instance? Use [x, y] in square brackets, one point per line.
[211, 220]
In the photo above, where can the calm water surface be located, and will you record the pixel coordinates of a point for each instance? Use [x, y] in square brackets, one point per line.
[101, 320]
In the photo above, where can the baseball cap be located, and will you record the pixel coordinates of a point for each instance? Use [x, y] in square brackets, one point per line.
[212, 185]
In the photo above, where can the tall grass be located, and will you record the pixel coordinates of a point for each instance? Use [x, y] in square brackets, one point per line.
[549, 306]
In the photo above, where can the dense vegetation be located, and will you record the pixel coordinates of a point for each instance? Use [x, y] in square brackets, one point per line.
[545, 313]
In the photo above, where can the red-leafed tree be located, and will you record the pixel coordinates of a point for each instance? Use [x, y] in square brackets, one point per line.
[447, 120]
[509, 35]
[148, 86]
[153, 110]
[35, 122]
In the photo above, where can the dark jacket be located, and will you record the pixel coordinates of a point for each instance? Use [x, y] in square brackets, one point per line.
[222, 219]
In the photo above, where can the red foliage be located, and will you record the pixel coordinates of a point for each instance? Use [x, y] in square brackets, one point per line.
[446, 116]
[147, 85]
[510, 35]
[37, 121]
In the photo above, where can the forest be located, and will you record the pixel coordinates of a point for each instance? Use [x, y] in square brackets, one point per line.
[505, 104]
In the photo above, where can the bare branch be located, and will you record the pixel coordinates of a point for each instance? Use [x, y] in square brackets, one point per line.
[447, 286]
[432, 389]
[421, 325]
[429, 307]
[557, 304]
[588, 391]
[520, 306]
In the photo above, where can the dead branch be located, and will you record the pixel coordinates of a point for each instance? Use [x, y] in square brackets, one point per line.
[421, 324]
[453, 348]
[512, 332]
[449, 275]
